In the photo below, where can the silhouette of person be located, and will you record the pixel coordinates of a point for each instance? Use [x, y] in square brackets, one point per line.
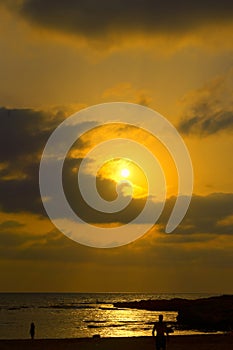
[161, 329]
[32, 330]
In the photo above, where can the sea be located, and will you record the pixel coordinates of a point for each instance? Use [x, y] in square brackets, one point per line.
[81, 315]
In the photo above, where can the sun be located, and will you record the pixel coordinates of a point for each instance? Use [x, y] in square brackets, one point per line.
[122, 171]
[125, 172]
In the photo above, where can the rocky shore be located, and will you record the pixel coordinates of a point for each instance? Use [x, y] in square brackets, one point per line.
[208, 314]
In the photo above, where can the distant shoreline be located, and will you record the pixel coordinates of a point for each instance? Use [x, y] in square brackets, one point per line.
[207, 314]
[175, 342]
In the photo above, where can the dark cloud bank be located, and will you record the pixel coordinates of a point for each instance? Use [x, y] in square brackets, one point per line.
[91, 18]
[204, 122]
[23, 135]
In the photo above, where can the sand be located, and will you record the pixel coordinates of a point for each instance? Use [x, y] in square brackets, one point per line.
[188, 342]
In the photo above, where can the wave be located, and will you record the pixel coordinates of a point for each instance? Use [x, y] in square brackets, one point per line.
[120, 324]
[69, 307]
[106, 326]
[12, 308]
[94, 321]
[60, 307]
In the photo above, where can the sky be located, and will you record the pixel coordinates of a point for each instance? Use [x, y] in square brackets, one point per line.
[57, 58]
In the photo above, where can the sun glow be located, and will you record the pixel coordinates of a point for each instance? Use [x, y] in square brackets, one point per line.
[123, 169]
[125, 172]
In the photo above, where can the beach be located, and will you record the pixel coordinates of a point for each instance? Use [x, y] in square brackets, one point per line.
[185, 342]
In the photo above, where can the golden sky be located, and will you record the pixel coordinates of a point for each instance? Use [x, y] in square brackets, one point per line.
[58, 57]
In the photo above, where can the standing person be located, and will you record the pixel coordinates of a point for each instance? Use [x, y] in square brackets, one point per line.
[161, 329]
[32, 330]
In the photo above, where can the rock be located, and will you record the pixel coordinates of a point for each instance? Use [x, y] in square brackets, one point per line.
[96, 336]
[212, 314]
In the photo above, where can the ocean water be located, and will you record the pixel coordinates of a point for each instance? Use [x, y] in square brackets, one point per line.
[71, 315]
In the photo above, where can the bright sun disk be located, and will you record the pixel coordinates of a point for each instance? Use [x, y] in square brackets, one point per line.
[125, 172]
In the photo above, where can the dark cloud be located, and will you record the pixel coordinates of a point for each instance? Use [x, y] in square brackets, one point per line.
[9, 224]
[12, 240]
[209, 110]
[23, 135]
[25, 132]
[107, 190]
[91, 18]
[21, 195]
[145, 252]
[208, 214]
[50, 246]
[207, 124]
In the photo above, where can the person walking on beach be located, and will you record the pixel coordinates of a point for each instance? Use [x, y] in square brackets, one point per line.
[161, 329]
[32, 330]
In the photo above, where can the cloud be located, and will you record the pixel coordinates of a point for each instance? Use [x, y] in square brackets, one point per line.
[207, 125]
[92, 19]
[25, 131]
[155, 248]
[9, 224]
[208, 214]
[174, 258]
[209, 110]
[106, 187]
[23, 137]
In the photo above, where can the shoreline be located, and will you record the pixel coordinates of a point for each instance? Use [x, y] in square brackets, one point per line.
[175, 342]
[192, 314]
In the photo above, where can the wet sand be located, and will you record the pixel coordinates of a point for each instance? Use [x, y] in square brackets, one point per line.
[185, 342]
